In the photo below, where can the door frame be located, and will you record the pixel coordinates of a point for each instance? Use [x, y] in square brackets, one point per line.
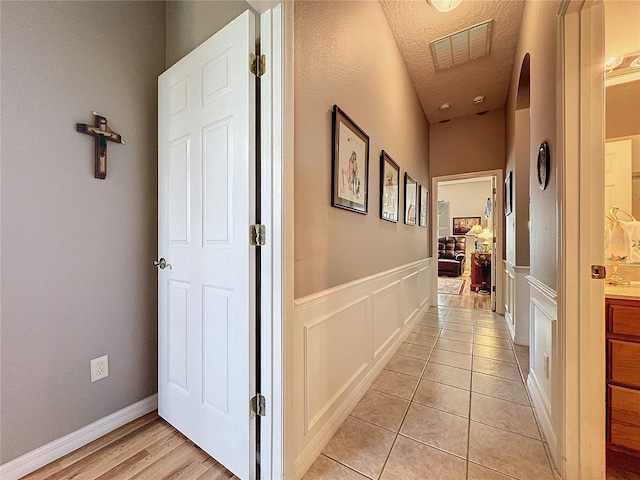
[580, 204]
[498, 220]
[276, 196]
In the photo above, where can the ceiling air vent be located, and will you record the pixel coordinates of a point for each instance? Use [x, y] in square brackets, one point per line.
[463, 46]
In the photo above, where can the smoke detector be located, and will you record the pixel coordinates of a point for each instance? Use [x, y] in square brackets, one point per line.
[445, 106]
[478, 100]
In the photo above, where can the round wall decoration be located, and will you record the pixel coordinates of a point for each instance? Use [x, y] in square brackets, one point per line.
[544, 164]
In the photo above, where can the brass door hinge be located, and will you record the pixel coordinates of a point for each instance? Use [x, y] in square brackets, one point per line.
[258, 65]
[257, 235]
[258, 405]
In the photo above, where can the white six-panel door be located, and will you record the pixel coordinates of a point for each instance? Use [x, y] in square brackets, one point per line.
[206, 202]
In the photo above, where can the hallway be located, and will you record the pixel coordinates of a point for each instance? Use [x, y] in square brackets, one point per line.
[451, 404]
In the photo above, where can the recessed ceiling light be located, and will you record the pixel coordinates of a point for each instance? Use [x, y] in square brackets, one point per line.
[445, 106]
[444, 5]
[478, 100]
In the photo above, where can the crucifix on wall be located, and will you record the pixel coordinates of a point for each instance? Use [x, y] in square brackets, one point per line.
[102, 133]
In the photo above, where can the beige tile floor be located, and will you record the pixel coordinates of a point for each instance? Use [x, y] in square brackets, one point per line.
[450, 405]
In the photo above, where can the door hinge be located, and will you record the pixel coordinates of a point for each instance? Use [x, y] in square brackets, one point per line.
[495, 191]
[257, 235]
[258, 406]
[258, 65]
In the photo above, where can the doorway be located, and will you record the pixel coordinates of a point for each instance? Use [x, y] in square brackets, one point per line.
[483, 245]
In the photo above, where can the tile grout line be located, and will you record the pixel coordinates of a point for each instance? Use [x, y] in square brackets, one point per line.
[384, 465]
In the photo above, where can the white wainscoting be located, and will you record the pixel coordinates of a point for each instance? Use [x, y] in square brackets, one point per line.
[517, 299]
[545, 367]
[342, 339]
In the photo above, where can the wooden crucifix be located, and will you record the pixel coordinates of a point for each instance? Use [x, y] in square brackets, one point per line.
[102, 133]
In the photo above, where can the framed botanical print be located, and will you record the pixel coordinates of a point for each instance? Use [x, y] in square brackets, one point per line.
[349, 165]
[410, 199]
[389, 188]
[424, 206]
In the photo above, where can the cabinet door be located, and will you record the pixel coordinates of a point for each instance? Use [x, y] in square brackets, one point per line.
[624, 361]
[624, 426]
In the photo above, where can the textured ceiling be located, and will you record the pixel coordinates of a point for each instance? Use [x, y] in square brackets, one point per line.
[415, 24]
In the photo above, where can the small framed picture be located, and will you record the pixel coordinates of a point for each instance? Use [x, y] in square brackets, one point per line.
[508, 189]
[389, 188]
[462, 225]
[410, 199]
[349, 164]
[424, 206]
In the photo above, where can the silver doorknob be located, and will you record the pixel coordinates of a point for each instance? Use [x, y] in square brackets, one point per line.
[162, 264]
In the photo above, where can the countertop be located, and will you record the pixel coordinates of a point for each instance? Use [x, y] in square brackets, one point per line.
[623, 292]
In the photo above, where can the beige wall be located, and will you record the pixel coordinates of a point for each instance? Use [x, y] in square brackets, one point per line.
[538, 37]
[468, 144]
[519, 164]
[77, 274]
[466, 199]
[623, 110]
[189, 23]
[346, 55]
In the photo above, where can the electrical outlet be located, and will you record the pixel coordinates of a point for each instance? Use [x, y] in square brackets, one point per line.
[99, 368]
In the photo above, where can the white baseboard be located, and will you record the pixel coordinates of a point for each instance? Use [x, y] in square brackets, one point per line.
[52, 451]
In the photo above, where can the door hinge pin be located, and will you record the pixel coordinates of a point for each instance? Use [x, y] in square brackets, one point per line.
[258, 65]
[258, 406]
[257, 235]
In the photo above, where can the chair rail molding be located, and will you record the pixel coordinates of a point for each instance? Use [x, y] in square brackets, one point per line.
[342, 339]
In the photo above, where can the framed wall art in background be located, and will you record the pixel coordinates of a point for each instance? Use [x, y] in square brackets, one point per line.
[424, 206]
[349, 164]
[389, 188]
[462, 225]
[410, 199]
[508, 191]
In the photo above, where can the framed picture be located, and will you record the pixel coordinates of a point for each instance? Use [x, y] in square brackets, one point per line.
[410, 199]
[349, 164]
[508, 190]
[424, 206]
[462, 225]
[389, 188]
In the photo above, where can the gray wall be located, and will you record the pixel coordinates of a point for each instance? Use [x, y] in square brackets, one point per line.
[77, 275]
[346, 55]
[189, 23]
[538, 37]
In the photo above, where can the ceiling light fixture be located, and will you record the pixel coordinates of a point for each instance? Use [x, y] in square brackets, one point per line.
[478, 100]
[444, 5]
[445, 106]
[612, 62]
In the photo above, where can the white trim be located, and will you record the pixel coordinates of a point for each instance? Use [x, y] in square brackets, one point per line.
[498, 214]
[318, 296]
[287, 197]
[548, 292]
[360, 325]
[35, 459]
[580, 90]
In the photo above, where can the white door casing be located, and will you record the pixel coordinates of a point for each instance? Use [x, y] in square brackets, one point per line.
[206, 202]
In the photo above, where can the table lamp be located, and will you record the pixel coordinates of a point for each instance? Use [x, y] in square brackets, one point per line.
[476, 230]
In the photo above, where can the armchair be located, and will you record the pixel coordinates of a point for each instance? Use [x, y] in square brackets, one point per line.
[451, 255]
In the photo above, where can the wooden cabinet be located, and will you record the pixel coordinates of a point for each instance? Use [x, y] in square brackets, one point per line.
[623, 375]
[480, 261]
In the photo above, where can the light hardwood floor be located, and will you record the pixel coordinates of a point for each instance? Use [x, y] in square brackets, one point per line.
[468, 299]
[147, 448]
